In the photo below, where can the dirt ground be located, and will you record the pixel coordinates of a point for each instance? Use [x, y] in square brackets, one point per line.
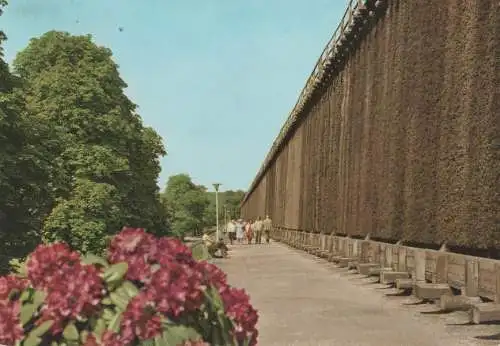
[303, 300]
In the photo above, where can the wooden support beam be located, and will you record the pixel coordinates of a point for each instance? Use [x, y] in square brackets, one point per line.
[485, 312]
[390, 277]
[428, 291]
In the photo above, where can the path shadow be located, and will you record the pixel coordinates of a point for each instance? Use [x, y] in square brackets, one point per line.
[385, 288]
[369, 283]
[403, 293]
[436, 312]
[421, 302]
[494, 337]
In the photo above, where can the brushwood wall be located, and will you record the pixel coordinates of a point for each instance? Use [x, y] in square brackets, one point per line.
[404, 144]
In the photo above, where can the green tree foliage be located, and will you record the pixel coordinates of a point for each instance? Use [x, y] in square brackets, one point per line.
[102, 163]
[185, 203]
[229, 203]
[20, 170]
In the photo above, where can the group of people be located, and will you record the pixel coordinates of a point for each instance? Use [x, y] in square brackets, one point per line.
[240, 230]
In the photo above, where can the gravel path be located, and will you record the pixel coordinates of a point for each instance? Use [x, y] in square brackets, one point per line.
[303, 300]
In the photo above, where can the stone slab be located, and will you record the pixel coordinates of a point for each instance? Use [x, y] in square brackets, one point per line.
[377, 271]
[485, 312]
[344, 261]
[364, 268]
[404, 284]
[424, 290]
[450, 303]
[390, 277]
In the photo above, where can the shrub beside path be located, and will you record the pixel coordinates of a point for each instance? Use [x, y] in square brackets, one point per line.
[303, 300]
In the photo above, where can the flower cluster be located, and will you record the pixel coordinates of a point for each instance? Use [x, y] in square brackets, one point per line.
[237, 307]
[10, 325]
[74, 290]
[140, 250]
[165, 284]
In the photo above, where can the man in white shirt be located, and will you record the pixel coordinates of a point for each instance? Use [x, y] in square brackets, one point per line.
[257, 227]
[268, 225]
[231, 231]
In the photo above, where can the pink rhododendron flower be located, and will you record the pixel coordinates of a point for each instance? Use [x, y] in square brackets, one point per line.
[77, 293]
[244, 316]
[10, 326]
[140, 319]
[47, 263]
[176, 288]
[9, 283]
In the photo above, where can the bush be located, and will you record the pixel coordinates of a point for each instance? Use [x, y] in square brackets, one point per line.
[149, 291]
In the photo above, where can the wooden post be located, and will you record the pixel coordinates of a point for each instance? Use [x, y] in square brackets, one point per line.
[402, 259]
[441, 269]
[497, 276]
[472, 278]
[388, 256]
[381, 254]
[419, 265]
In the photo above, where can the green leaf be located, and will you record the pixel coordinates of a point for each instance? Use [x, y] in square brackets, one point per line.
[84, 335]
[27, 312]
[108, 314]
[114, 324]
[130, 289]
[118, 301]
[32, 340]
[116, 272]
[149, 342]
[93, 259]
[200, 252]
[71, 333]
[26, 295]
[176, 334]
[98, 327]
[160, 341]
[214, 298]
[42, 329]
[39, 298]
[106, 301]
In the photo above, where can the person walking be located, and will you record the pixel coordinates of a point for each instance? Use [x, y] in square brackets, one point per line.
[257, 228]
[231, 231]
[249, 231]
[267, 225]
[240, 233]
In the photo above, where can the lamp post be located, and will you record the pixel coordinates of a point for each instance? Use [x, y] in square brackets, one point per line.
[225, 216]
[216, 187]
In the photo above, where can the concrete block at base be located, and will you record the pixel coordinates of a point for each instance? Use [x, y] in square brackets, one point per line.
[324, 254]
[364, 268]
[344, 261]
[390, 277]
[314, 251]
[424, 290]
[485, 312]
[352, 265]
[377, 271]
[404, 284]
[457, 303]
[335, 259]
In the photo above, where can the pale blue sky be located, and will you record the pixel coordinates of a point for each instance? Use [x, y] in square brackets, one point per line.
[215, 78]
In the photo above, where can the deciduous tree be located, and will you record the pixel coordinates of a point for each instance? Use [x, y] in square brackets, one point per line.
[104, 162]
[185, 203]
